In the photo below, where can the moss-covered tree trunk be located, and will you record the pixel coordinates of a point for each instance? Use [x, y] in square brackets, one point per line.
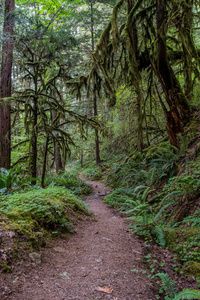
[132, 43]
[45, 161]
[5, 85]
[97, 150]
[57, 153]
[178, 113]
[33, 140]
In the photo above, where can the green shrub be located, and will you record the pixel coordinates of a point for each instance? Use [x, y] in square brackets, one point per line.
[9, 180]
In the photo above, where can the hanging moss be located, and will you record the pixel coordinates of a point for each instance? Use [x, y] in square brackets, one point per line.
[101, 47]
[115, 32]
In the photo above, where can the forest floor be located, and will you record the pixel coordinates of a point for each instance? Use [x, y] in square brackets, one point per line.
[101, 253]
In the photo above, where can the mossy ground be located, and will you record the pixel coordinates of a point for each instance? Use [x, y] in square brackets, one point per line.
[32, 217]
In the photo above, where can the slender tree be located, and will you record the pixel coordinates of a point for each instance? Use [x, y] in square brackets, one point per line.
[57, 151]
[97, 150]
[5, 85]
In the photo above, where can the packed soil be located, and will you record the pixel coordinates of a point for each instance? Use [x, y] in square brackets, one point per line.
[101, 254]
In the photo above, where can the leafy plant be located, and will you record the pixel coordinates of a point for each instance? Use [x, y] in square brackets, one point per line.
[170, 290]
[160, 235]
[9, 179]
[138, 205]
[117, 198]
[168, 286]
[188, 294]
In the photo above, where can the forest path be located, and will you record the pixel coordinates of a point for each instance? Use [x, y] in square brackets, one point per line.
[101, 253]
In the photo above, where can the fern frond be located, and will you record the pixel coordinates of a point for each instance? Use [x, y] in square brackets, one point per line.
[170, 194]
[139, 187]
[188, 294]
[168, 284]
[162, 209]
[161, 236]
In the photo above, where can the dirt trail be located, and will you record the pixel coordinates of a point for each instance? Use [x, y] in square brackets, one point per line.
[101, 253]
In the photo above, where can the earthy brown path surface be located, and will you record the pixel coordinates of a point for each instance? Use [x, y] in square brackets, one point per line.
[101, 253]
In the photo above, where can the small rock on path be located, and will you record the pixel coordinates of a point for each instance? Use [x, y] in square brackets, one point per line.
[101, 253]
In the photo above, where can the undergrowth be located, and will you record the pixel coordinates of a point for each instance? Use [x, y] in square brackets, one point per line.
[70, 181]
[50, 209]
[92, 172]
[159, 192]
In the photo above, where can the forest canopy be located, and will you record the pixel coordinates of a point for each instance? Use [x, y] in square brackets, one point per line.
[136, 67]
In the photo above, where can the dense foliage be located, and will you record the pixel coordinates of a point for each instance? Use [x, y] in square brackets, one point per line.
[114, 81]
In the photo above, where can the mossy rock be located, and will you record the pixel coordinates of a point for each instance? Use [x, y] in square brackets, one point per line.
[177, 236]
[192, 268]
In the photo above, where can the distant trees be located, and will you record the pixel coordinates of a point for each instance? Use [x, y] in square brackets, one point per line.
[46, 56]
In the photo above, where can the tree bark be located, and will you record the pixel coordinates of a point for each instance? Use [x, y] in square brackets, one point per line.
[132, 41]
[57, 154]
[179, 110]
[33, 142]
[5, 85]
[97, 150]
[45, 162]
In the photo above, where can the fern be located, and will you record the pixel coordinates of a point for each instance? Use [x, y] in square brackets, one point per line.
[168, 285]
[161, 236]
[171, 292]
[162, 209]
[188, 294]
[170, 194]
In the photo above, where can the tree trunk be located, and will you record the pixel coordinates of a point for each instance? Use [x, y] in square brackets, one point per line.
[179, 110]
[81, 158]
[97, 150]
[33, 142]
[5, 85]
[57, 154]
[45, 162]
[132, 42]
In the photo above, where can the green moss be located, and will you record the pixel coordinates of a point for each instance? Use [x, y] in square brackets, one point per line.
[175, 236]
[192, 268]
[41, 210]
[184, 242]
[5, 267]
